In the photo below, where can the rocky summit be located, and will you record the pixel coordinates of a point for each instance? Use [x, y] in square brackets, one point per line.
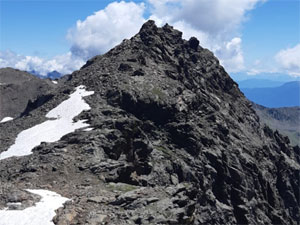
[171, 140]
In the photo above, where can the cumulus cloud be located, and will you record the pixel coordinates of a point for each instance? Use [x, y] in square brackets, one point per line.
[64, 64]
[289, 59]
[228, 51]
[211, 16]
[231, 55]
[106, 28]
[214, 22]
[94, 35]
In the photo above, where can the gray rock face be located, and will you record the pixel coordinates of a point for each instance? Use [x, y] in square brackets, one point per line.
[21, 92]
[285, 119]
[174, 141]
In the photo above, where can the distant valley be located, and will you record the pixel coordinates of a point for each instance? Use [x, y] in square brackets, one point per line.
[276, 103]
[286, 120]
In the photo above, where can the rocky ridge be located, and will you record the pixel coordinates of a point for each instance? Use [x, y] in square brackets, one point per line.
[174, 141]
[21, 92]
[285, 119]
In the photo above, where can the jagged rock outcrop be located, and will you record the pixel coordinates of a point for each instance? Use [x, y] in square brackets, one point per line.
[21, 92]
[174, 141]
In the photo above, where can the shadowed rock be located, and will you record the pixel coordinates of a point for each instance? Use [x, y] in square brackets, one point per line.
[175, 143]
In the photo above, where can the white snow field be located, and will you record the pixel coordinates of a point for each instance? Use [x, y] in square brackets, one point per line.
[52, 130]
[41, 213]
[5, 119]
[88, 129]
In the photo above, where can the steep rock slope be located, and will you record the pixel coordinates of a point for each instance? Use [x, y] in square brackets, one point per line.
[286, 120]
[173, 141]
[18, 89]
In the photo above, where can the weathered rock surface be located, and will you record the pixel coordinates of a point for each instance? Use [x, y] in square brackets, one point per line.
[174, 141]
[21, 92]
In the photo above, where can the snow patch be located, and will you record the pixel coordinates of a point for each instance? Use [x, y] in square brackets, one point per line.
[41, 213]
[54, 82]
[73, 106]
[5, 119]
[13, 203]
[88, 129]
[52, 130]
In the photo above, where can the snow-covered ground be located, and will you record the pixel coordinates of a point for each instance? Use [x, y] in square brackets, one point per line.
[88, 129]
[52, 130]
[54, 82]
[5, 119]
[41, 213]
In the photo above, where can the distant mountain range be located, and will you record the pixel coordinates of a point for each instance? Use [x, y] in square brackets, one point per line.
[263, 91]
[286, 95]
[259, 83]
[51, 75]
[284, 78]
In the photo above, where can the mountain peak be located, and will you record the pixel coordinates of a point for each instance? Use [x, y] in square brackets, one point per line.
[170, 136]
[150, 29]
[160, 55]
[161, 44]
[149, 25]
[150, 34]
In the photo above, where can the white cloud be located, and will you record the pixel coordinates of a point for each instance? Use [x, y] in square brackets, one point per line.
[228, 51]
[106, 28]
[211, 16]
[289, 60]
[214, 22]
[9, 58]
[95, 35]
[264, 65]
[264, 69]
[231, 55]
[257, 62]
[64, 64]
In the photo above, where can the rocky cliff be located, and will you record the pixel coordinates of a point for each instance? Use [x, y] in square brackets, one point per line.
[172, 140]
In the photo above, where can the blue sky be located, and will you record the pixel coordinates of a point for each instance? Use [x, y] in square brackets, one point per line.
[273, 26]
[40, 27]
[250, 36]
